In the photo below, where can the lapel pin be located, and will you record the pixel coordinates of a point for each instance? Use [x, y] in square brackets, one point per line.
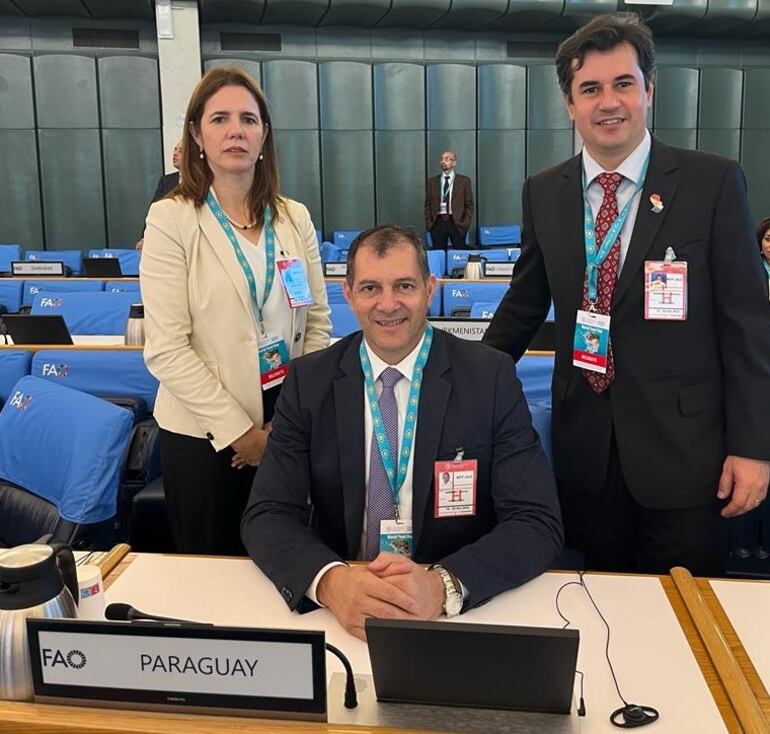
[657, 204]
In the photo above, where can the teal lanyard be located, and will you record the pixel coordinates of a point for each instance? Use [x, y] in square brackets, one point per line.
[595, 259]
[396, 480]
[244, 263]
[767, 267]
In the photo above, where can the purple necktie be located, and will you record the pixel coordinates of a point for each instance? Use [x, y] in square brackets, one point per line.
[380, 500]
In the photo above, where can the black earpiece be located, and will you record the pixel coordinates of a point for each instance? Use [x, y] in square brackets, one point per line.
[632, 715]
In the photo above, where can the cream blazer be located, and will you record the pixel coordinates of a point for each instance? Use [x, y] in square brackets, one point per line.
[201, 332]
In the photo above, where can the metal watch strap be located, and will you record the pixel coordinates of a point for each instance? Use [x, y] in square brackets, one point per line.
[453, 598]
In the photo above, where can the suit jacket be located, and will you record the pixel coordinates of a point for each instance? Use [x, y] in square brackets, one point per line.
[200, 327]
[307, 504]
[462, 201]
[167, 183]
[685, 393]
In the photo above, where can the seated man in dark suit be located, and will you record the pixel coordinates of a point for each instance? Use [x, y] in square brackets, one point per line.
[328, 488]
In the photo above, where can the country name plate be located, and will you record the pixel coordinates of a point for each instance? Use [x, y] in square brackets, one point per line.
[179, 667]
[335, 270]
[498, 269]
[470, 329]
[38, 268]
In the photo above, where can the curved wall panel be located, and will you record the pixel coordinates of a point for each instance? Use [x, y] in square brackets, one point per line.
[526, 15]
[361, 13]
[414, 13]
[292, 91]
[472, 15]
[545, 103]
[129, 93]
[346, 95]
[239, 11]
[65, 91]
[502, 97]
[299, 12]
[16, 109]
[399, 97]
[676, 99]
[721, 99]
[451, 97]
[252, 68]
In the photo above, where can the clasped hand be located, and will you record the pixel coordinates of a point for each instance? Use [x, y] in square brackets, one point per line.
[250, 447]
[390, 587]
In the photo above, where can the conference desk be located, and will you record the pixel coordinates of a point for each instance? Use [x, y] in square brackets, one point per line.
[84, 342]
[657, 656]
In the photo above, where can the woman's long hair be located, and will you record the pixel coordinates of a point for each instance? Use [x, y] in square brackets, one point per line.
[196, 175]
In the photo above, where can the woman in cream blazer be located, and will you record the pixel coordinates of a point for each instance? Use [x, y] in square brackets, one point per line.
[202, 323]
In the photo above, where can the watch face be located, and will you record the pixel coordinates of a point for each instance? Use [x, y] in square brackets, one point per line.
[453, 605]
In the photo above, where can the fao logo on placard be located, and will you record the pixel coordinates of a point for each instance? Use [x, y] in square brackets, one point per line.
[75, 659]
[20, 401]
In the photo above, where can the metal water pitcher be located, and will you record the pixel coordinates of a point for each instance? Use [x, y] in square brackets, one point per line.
[474, 268]
[135, 325]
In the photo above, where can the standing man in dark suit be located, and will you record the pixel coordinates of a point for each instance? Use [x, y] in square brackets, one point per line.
[328, 488]
[649, 251]
[166, 183]
[448, 204]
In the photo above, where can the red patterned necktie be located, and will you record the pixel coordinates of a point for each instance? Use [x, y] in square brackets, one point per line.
[608, 272]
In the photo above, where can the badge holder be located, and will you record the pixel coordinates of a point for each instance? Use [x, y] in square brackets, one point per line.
[455, 485]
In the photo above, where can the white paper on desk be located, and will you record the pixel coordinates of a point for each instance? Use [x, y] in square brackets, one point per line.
[652, 658]
[747, 604]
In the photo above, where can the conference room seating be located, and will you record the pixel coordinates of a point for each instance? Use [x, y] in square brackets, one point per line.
[97, 313]
[128, 258]
[14, 364]
[437, 262]
[73, 259]
[62, 449]
[58, 285]
[460, 296]
[8, 253]
[11, 292]
[500, 236]
[344, 237]
[456, 259]
[122, 286]
[483, 309]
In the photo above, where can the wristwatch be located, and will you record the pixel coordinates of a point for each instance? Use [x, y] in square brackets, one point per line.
[453, 596]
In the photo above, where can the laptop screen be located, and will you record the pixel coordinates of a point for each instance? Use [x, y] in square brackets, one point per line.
[25, 329]
[102, 267]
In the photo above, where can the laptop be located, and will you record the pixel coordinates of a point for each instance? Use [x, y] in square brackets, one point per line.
[102, 267]
[473, 665]
[25, 329]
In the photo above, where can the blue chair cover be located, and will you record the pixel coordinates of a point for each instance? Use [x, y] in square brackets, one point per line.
[429, 238]
[541, 422]
[437, 262]
[483, 309]
[10, 294]
[551, 313]
[129, 258]
[319, 237]
[14, 364]
[458, 258]
[87, 313]
[73, 259]
[331, 253]
[65, 446]
[514, 253]
[506, 234]
[122, 374]
[70, 285]
[535, 373]
[334, 293]
[343, 237]
[343, 320]
[122, 286]
[8, 253]
[459, 294]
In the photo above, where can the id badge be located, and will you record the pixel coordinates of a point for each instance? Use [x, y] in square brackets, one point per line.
[665, 291]
[396, 537]
[295, 283]
[443, 208]
[592, 341]
[273, 360]
[455, 483]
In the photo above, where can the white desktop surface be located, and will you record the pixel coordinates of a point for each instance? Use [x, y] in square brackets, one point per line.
[747, 604]
[101, 340]
[651, 656]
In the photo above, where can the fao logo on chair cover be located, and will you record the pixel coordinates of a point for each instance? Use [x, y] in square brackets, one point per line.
[56, 658]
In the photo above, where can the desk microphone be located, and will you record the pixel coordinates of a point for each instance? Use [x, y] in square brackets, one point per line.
[120, 612]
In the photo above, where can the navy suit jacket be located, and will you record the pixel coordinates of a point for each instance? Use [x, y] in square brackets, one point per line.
[685, 393]
[307, 504]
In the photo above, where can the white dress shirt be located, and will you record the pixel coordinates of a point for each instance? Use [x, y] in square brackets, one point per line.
[401, 390]
[631, 170]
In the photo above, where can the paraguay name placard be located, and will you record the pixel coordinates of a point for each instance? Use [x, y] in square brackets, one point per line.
[187, 665]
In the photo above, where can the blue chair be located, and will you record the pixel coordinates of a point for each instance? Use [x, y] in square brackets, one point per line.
[128, 258]
[73, 285]
[343, 320]
[506, 234]
[8, 253]
[11, 295]
[105, 373]
[535, 373]
[514, 253]
[460, 296]
[319, 237]
[14, 364]
[429, 238]
[343, 237]
[456, 259]
[483, 309]
[64, 447]
[122, 286]
[551, 313]
[334, 292]
[73, 259]
[87, 313]
[541, 422]
[331, 253]
[437, 262]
